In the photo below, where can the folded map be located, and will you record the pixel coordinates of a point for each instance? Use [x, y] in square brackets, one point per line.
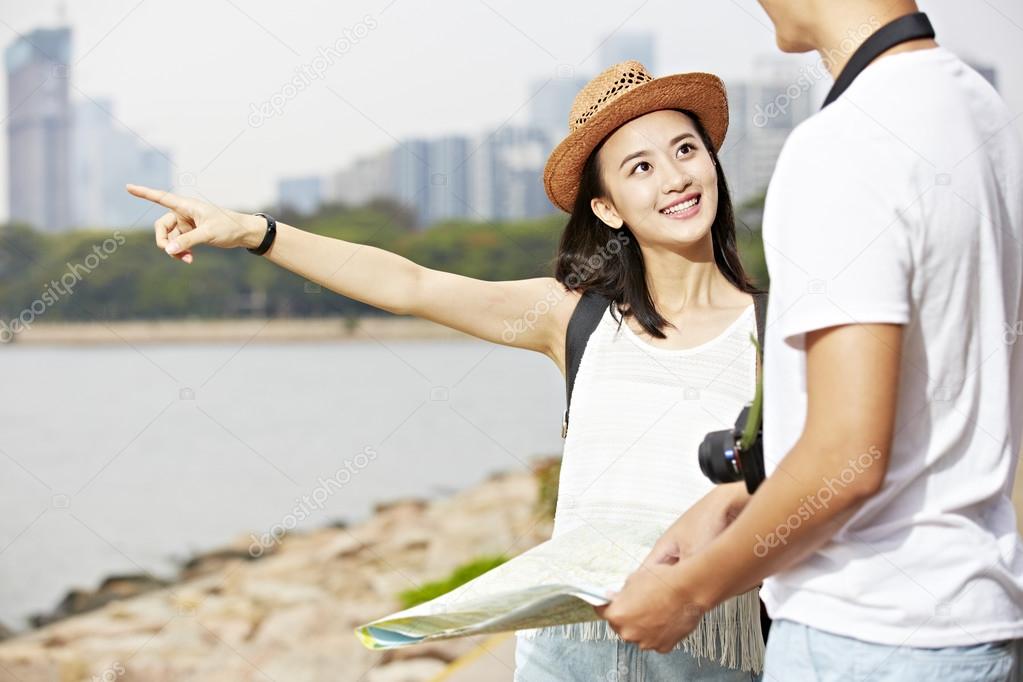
[556, 583]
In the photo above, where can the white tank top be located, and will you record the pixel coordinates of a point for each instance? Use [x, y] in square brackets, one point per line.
[638, 416]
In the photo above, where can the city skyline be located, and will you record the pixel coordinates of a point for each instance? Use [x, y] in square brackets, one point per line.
[242, 170]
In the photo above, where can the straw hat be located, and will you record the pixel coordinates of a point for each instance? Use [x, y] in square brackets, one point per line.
[621, 93]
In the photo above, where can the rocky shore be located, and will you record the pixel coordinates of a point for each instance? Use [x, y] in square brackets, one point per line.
[289, 615]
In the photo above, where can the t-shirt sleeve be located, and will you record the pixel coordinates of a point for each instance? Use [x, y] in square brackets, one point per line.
[839, 251]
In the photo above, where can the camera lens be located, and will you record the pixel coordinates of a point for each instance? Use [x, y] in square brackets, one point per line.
[717, 457]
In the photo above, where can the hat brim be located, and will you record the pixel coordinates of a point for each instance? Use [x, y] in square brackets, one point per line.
[701, 93]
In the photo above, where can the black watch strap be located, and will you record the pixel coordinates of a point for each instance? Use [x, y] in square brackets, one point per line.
[268, 238]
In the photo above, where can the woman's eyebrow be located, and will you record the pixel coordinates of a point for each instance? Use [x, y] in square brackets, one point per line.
[674, 141]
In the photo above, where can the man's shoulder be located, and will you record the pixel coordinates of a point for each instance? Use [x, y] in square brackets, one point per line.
[827, 142]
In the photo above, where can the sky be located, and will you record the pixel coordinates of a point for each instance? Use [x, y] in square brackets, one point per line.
[189, 75]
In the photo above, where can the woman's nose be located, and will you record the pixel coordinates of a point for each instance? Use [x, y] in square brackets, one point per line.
[677, 181]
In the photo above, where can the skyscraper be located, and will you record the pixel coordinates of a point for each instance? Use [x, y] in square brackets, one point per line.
[761, 114]
[506, 176]
[365, 179]
[551, 103]
[39, 129]
[105, 156]
[447, 194]
[303, 195]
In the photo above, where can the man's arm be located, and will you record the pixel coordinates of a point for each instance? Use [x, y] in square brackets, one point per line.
[839, 461]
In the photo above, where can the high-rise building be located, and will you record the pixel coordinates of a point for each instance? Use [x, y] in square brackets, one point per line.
[105, 156]
[551, 103]
[507, 174]
[410, 175]
[762, 112]
[431, 176]
[303, 195]
[39, 122]
[447, 193]
[367, 178]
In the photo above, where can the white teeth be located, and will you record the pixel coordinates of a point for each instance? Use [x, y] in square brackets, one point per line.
[678, 208]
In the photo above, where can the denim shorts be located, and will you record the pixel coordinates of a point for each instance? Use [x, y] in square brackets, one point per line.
[799, 652]
[552, 658]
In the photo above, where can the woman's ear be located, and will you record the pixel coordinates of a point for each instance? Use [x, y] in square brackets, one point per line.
[603, 209]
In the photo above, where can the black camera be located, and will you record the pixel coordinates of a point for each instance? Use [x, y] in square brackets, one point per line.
[735, 454]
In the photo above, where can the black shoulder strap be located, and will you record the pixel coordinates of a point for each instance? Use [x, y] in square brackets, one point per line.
[909, 27]
[584, 321]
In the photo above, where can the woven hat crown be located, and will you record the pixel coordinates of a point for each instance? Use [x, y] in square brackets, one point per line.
[604, 89]
[621, 93]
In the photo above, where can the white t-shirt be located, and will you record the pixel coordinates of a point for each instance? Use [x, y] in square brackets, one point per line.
[902, 202]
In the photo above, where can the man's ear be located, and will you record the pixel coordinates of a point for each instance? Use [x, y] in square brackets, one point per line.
[603, 209]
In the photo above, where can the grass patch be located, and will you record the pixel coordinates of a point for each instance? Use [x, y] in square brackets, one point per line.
[459, 576]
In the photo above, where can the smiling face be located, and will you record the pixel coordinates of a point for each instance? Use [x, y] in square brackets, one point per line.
[659, 179]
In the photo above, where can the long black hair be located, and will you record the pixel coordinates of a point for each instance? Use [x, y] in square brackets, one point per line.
[608, 261]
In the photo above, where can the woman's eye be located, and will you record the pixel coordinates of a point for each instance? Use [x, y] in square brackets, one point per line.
[639, 166]
[688, 147]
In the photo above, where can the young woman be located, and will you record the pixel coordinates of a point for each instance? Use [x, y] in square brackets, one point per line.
[652, 230]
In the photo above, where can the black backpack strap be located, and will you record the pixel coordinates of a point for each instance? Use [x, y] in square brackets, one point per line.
[584, 321]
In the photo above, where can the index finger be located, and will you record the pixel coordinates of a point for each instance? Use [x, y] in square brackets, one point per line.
[158, 196]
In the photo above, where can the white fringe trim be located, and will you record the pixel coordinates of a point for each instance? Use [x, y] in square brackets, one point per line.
[729, 634]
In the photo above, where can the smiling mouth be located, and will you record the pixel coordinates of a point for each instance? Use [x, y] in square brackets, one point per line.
[682, 207]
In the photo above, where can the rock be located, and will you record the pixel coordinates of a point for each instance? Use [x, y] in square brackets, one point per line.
[340, 547]
[436, 651]
[412, 504]
[416, 670]
[288, 616]
[113, 588]
[211, 562]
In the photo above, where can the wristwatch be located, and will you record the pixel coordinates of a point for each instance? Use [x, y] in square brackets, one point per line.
[268, 238]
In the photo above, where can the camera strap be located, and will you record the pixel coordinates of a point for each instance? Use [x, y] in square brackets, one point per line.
[584, 321]
[910, 27]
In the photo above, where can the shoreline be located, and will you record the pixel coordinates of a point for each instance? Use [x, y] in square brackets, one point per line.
[288, 613]
[232, 330]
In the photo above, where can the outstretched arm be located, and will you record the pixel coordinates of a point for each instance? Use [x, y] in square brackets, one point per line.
[502, 312]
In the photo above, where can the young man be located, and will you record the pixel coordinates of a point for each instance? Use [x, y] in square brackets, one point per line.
[893, 379]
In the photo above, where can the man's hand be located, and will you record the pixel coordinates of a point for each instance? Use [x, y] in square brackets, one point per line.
[852, 388]
[653, 610]
[700, 524]
[650, 610]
